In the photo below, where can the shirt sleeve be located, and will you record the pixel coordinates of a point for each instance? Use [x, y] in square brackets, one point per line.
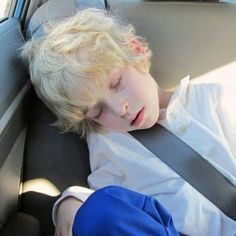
[78, 192]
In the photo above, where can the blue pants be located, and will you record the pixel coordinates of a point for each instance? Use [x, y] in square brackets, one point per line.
[116, 211]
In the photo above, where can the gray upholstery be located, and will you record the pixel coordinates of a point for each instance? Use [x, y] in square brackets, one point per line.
[63, 8]
[59, 159]
[12, 76]
[10, 175]
[21, 224]
[50, 10]
[14, 107]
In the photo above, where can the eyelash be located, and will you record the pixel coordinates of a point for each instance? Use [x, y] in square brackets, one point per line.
[118, 83]
[113, 87]
[99, 114]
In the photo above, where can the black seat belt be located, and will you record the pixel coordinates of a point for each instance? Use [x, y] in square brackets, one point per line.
[190, 166]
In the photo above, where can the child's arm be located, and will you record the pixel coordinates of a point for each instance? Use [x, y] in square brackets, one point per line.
[66, 207]
[65, 216]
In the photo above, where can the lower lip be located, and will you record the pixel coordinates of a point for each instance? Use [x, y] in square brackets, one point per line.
[139, 118]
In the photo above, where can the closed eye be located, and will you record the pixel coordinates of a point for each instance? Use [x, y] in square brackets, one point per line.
[117, 84]
[100, 111]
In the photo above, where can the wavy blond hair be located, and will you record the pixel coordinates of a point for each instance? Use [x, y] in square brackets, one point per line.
[77, 49]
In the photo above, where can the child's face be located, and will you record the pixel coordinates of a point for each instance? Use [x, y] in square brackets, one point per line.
[127, 101]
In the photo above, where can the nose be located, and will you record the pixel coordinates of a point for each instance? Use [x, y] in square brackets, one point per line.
[119, 106]
[124, 108]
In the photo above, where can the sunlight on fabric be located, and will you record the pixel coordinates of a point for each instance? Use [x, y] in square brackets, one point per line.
[224, 72]
[41, 186]
[225, 75]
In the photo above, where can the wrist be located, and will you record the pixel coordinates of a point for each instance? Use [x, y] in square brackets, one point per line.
[77, 192]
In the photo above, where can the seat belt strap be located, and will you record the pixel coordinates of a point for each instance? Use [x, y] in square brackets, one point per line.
[190, 166]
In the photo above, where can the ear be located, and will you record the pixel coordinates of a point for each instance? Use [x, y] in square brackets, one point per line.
[135, 46]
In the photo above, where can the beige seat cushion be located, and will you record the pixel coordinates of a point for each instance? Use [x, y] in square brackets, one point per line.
[186, 38]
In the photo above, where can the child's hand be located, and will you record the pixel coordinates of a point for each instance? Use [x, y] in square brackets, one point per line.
[65, 216]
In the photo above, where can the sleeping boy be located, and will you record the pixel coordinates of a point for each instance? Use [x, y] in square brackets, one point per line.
[92, 71]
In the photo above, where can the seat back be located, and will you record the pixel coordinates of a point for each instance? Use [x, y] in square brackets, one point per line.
[187, 38]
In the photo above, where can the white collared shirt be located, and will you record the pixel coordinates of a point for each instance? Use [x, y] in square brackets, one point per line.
[202, 114]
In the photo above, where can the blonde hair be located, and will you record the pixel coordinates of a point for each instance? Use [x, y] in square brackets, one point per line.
[77, 49]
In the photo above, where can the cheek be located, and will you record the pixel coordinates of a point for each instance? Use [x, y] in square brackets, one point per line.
[138, 92]
[109, 122]
[140, 86]
[149, 90]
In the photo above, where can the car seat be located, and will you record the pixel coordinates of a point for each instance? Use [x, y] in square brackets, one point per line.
[186, 38]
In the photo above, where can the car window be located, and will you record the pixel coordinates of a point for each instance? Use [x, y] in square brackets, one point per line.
[229, 1]
[11, 8]
[5, 7]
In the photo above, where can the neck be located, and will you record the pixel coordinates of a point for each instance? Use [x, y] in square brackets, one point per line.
[164, 98]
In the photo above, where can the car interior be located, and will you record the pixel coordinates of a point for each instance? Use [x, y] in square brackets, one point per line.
[37, 161]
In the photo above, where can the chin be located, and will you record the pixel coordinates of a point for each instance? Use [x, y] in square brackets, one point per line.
[147, 125]
[150, 125]
[152, 121]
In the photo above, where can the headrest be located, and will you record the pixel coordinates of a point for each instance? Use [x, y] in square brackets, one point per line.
[57, 9]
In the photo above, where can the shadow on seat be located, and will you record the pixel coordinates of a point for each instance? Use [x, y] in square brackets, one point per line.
[53, 161]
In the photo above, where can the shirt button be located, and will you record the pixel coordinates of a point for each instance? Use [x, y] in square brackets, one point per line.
[182, 129]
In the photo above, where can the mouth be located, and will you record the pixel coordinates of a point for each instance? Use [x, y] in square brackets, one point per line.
[136, 121]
